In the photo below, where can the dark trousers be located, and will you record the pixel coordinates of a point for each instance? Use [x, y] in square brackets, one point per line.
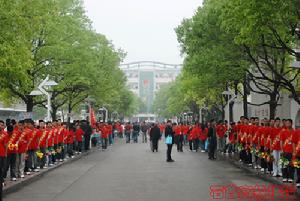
[11, 165]
[79, 146]
[298, 172]
[2, 163]
[70, 150]
[288, 172]
[194, 144]
[61, 154]
[127, 137]
[104, 142]
[179, 142]
[43, 160]
[263, 162]
[212, 148]
[169, 151]
[154, 145]
[30, 162]
[87, 139]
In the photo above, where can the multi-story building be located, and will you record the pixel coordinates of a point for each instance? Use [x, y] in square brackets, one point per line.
[145, 78]
[15, 111]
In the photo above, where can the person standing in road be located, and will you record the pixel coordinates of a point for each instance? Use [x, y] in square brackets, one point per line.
[128, 130]
[144, 129]
[154, 137]
[212, 137]
[136, 131]
[169, 132]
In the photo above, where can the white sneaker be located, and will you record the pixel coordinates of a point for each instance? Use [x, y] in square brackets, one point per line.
[61, 160]
[72, 156]
[79, 152]
[274, 175]
[262, 169]
[22, 175]
[14, 179]
[51, 164]
[290, 180]
[27, 173]
[202, 151]
[280, 174]
[36, 170]
[284, 180]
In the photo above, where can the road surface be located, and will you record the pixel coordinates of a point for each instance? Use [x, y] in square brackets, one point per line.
[131, 172]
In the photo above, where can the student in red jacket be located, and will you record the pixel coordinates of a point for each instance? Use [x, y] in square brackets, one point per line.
[286, 142]
[203, 138]
[194, 137]
[296, 153]
[178, 136]
[3, 147]
[104, 135]
[70, 140]
[79, 134]
[33, 134]
[22, 148]
[13, 135]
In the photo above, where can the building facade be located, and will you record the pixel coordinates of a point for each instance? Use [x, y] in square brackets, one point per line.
[145, 78]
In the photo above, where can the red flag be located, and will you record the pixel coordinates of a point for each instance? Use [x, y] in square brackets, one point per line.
[92, 117]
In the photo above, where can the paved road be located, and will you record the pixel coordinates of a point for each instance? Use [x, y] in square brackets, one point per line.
[131, 172]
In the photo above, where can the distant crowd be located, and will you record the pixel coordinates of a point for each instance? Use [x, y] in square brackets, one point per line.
[273, 146]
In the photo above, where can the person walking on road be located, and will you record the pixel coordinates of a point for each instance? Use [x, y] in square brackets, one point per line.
[136, 131]
[144, 129]
[154, 137]
[169, 132]
[212, 138]
[128, 130]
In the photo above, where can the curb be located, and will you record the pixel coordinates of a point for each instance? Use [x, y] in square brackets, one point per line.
[259, 174]
[263, 176]
[23, 182]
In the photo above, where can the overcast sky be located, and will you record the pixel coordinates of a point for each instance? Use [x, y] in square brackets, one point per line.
[143, 28]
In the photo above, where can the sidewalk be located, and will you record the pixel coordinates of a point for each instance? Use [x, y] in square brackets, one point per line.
[13, 186]
[234, 159]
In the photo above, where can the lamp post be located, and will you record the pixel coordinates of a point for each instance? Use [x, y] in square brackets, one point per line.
[233, 96]
[42, 91]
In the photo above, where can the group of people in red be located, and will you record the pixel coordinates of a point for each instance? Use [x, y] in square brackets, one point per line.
[271, 145]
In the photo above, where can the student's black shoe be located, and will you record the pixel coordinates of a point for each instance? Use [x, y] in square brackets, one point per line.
[171, 160]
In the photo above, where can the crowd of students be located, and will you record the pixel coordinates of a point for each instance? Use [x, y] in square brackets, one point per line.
[27, 146]
[273, 146]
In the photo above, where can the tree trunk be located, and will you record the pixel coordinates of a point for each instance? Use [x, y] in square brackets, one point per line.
[29, 104]
[69, 111]
[53, 113]
[246, 92]
[272, 106]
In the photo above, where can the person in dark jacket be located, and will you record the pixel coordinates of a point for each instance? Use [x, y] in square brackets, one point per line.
[212, 139]
[169, 132]
[86, 127]
[136, 131]
[154, 137]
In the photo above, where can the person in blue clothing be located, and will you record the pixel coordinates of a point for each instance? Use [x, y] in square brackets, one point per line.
[169, 132]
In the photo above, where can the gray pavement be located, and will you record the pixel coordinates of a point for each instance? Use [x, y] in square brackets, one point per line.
[131, 172]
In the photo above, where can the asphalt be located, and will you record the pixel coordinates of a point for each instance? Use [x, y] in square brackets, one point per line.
[131, 172]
